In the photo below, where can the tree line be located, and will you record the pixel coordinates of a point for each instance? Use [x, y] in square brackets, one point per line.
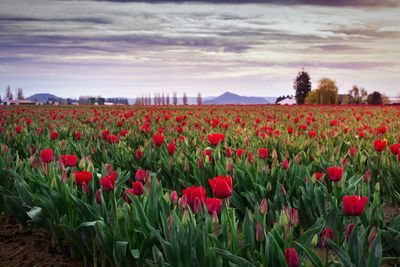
[164, 99]
[327, 92]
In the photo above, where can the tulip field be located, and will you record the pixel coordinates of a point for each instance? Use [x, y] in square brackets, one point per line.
[207, 185]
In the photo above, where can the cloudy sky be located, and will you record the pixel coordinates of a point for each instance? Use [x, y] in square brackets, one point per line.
[126, 48]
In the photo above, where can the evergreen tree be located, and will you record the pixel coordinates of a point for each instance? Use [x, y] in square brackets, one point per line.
[302, 85]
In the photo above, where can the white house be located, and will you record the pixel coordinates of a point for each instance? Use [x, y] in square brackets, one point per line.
[287, 101]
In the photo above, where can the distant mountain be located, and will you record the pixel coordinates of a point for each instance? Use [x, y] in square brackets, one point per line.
[43, 97]
[231, 98]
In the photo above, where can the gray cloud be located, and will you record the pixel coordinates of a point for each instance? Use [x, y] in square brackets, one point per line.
[338, 3]
[91, 20]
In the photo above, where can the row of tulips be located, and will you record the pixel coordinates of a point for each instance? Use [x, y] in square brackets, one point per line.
[209, 188]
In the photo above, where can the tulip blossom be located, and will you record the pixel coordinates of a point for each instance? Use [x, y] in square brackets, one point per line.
[69, 160]
[380, 145]
[108, 183]
[335, 173]
[194, 196]
[221, 186]
[83, 177]
[216, 138]
[213, 205]
[292, 257]
[47, 155]
[354, 205]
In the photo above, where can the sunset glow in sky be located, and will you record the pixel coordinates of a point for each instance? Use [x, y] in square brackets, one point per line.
[126, 48]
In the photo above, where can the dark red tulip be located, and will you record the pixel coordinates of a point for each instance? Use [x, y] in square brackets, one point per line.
[69, 160]
[108, 183]
[354, 205]
[349, 230]
[395, 149]
[213, 205]
[193, 194]
[263, 153]
[47, 155]
[158, 139]
[221, 186]
[140, 175]
[335, 173]
[216, 138]
[380, 145]
[137, 188]
[171, 148]
[83, 177]
[292, 257]
[326, 233]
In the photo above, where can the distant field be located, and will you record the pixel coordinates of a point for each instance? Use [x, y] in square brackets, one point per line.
[207, 185]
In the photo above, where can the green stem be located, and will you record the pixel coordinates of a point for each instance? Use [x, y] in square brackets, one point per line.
[326, 257]
[94, 254]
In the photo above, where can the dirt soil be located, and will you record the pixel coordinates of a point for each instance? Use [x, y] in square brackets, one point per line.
[22, 247]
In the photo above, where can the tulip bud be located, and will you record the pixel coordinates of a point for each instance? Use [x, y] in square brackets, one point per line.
[185, 217]
[377, 187]
[82, 163]
[259, 232]
[314, 240]
[166, 197]
[283, 219]
[98, 197]
[269, 187]
[372, 236]
[174, 197]
[85, 188]
[263, 208]
[214, 218]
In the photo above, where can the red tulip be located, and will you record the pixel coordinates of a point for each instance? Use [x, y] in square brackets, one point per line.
[292, 257]
[259, 232]
[46, 155]
[216, 138]
[18, 129]
[335, 173]
[53, 135]
[194, 194]
[263, 153]
[352, 151]
[108, 183]
[380, 145]
[69, 160]
[395, 149]
[263, 207]
[213, 205]
[171, 148]
[221, 186]
[137, 188]
[319, 175]
[354, 205]
[326, 233]
[174, 196]
[349, 230]
[140, 175]
[78, 136]
[158, 140]
[83, 177]
[285, 164]
[138, 154]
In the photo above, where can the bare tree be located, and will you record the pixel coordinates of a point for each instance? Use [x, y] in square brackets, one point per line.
[199, 99]
[20, 93]
[167, 99]
[163, 99]
[9, 95]
[175, 99]
[184, 99]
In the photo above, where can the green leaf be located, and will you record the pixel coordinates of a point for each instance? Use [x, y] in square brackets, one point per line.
[340, 252]
[311, 255]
